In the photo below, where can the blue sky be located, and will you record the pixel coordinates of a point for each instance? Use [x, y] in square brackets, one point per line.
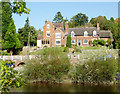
[47, 10]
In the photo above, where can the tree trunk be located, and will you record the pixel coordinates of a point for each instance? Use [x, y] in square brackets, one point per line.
[11, 52]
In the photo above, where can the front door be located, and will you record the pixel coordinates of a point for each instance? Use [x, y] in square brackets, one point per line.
[79, 42]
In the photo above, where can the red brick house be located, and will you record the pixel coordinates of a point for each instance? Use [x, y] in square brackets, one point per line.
[55, 35]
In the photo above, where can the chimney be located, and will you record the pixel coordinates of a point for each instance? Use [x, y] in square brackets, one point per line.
[98, 27]
[39, 31]
[66, 27]
[45, 21]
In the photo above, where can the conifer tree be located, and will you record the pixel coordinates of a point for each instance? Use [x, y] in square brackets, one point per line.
[11, 40]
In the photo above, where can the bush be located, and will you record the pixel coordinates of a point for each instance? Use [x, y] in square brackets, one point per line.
[65, 49]
[99, 42]
[98, 71]
[50, 67]
[68, 44]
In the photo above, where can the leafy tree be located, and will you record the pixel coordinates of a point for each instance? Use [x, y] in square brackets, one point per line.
[100, 19]
[112, 19]
[68, 41]
[27, 34]
[58, 18]
[108, 24]
[116, 35]
[78, 20]
[9, 77]
[11, 40]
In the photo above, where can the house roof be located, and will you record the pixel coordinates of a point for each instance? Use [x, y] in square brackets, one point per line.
[40, 37]
[80, 31]
[58, 24]
[104, 34]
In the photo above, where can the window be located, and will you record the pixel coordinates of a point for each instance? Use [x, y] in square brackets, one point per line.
[85, 41]
[94, 33]
[73, 41]
[72, 34]
[58, 41]
[48, 33]
[85, 34]
[48, 26]
[58, 35]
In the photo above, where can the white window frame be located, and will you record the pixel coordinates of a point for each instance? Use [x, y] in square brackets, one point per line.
[74, 42]
[84, 42]
[58, 34]
[48, 26]
[94, 33]
[47, 32]
[72, 34]
[58, 40]
[85, 33]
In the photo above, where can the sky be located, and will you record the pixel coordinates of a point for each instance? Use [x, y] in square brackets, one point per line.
[47, 10]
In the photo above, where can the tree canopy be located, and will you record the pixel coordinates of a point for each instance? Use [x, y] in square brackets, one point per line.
[27, 34]
[58, 18]
[78, 20]
[11, 40]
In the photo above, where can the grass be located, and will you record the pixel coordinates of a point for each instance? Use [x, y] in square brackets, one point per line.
[38, 52]
[93, 47]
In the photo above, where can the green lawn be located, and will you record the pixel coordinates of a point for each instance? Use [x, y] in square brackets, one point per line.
[93, 47]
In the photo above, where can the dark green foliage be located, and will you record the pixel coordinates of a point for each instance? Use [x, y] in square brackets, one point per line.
[6, 17]
[27, 35]
[78, 20]
[68, 44]
[116, 35]
[100, 19]
[99, 42]
[98, 71]
[66, 49]
[49, 67]
[11, 40]
[9, 77]
[58, 18]
[108, 24]
[112, 19]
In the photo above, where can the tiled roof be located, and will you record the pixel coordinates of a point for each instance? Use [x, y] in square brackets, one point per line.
[104, 34]
[40, 37]
[80, 31]
[58, 24]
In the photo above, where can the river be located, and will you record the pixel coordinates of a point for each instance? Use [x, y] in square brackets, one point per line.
[40, 87]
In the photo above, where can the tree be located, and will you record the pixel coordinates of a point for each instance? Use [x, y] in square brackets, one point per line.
[58, 18]
[100, 19]
[112, 19]
[108, 24]
[27, 34]
[11, 40]
[116, 35]
[78, 20]
[68, 44]
[6, 17]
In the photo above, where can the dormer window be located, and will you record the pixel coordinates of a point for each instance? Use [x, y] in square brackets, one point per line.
[85, 34]
[72, 34]
[48, 26]
[94, 33]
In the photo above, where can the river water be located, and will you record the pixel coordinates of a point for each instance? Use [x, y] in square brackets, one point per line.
[40, 87]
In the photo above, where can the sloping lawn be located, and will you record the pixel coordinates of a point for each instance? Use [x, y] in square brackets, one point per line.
[93, 47]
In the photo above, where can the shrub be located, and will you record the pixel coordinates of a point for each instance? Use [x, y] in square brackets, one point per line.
[101, 42]
[98, 71]
[65, 49]
[51, 66]
[68, 44]
[95, 42]
[9, 77]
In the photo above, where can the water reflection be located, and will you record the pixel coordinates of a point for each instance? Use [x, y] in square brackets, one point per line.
[38, 87]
